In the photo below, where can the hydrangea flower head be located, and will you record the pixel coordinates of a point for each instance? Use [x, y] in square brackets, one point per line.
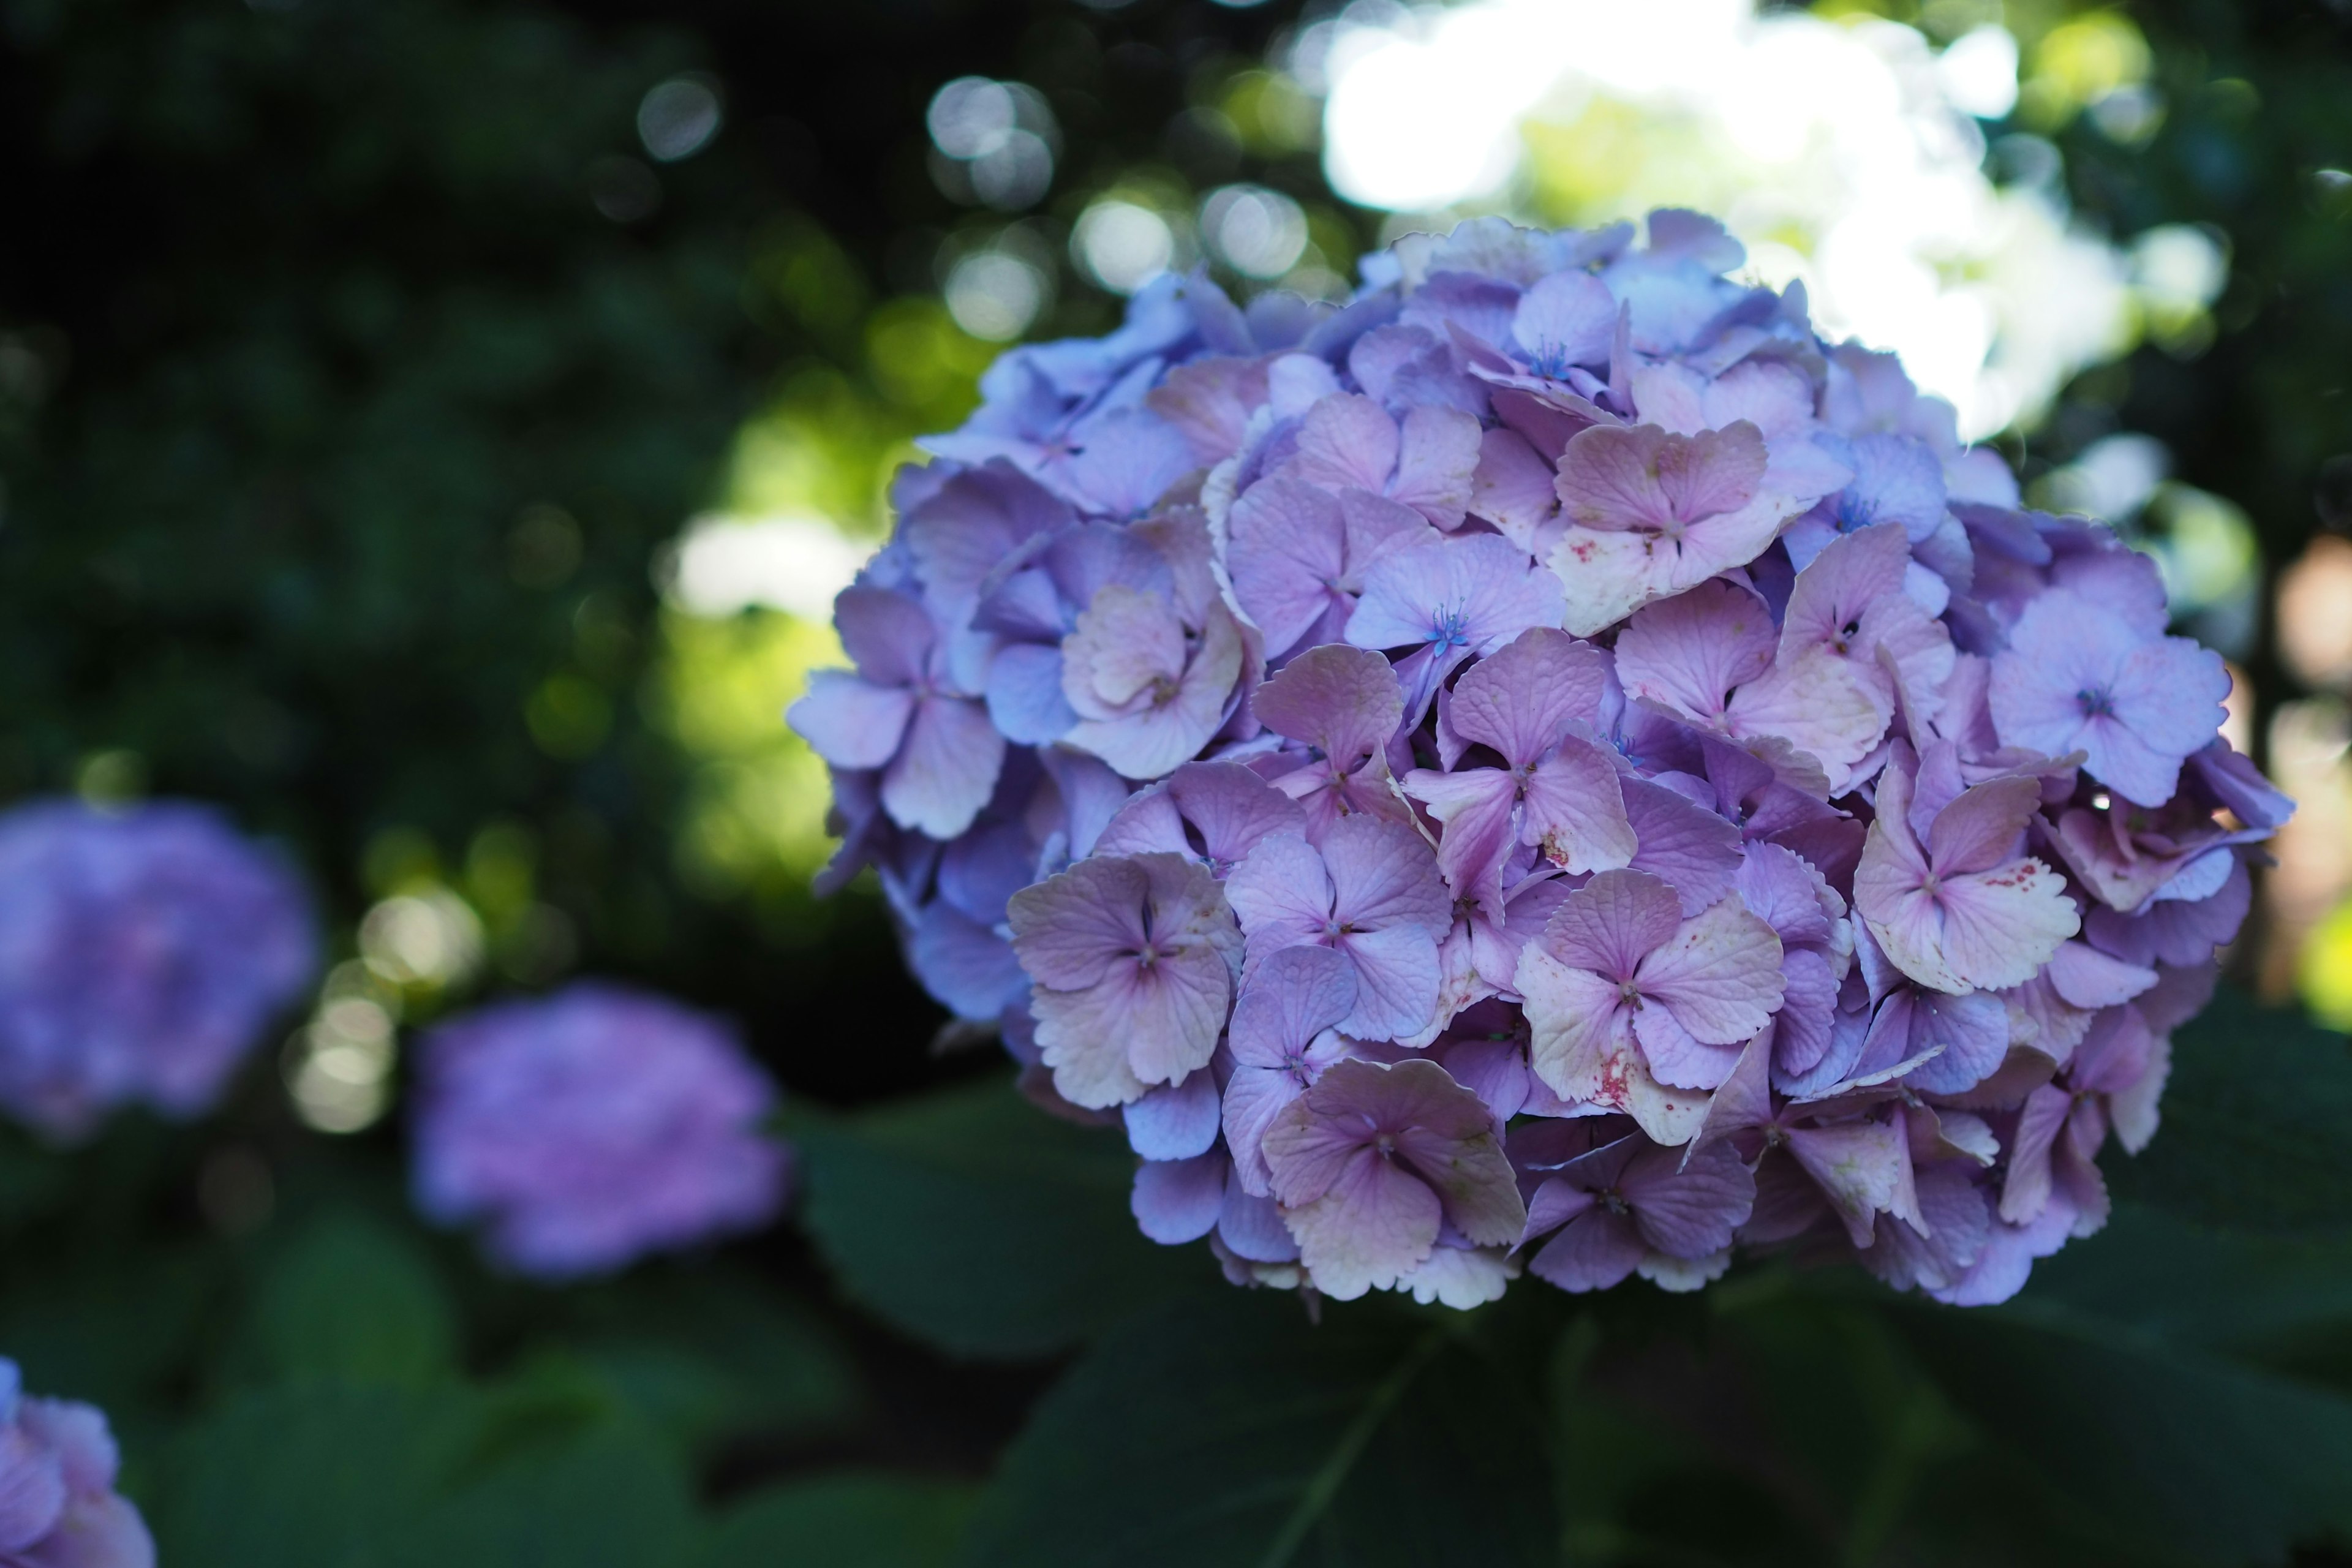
[589, 1128]
[142, 952]
[1551, 768]
[58, 1508]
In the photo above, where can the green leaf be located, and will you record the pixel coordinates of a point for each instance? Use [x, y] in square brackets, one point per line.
[713, 1353]
[312, 1476]
[2257, 1118]
[1233, 1430]
[351, 1299]
[2192, 1286]
[850, 1520]
[613, 1498]
[977, 1222]
[2183, 1457]
[325, 1475]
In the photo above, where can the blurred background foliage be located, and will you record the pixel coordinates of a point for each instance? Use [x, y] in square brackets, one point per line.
[436, 431]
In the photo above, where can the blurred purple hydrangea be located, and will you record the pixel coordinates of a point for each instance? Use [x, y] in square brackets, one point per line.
[58, 1508]
[143, 951]
[594, 1126]
[1549, 766]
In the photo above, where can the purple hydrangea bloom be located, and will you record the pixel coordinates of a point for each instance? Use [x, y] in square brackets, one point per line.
[589, 1128]
[1551, 768]
[142, 952]
[58, 1508]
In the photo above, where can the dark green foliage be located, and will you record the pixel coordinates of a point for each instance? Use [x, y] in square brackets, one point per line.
[985, 1226]
[1235, 1430]
[2255, 1119]
[851, 1519]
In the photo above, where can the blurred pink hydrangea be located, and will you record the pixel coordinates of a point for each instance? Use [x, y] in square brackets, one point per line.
[1550, 766]
[587, 1129]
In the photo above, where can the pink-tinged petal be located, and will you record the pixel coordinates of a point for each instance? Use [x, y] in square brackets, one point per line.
[1687, 845]
[1309, 1143]
[1521, 701]
[1294, 995]
[2000, 926]
[1852, 573]
[1689, 1208]
[1124, 642]
[1461, 1277]
[1070, 927]
[1177, 1201]
[1378, 528]
[1081, 1041]
[2025, 1190]
[2001, 1264]
[1669, 1117]
[1620, 477]
[1512, 488]
[1475, 811]
[2170, 693]
[1453, 1145]
[1957, 1042]
[1566, 319]
[2134, 1105]
[1160, 1022]
[1864, 1170]
[851, 723]
[1691, 652]
[1937, 1255]
[1557, 1201]
[1344, 701]
[1806, 1023]
[1347, 440]
[1384, 875]
[1671, 395]
[1253, 1100]
[1214, 812]
[1373, 1226]
[1677, 1058]
[1719, 974]
[1784, 892]
[1597, 1249]
[1982, 828]
[947, 769]
[1149, 740]
[888, 636]
[1286, 553]
[1281, 894]
[1822, 704]
[2088, 978]
[1210, 401]
[1437, 456]
[1575, 810]
[1577, 1023]
[1611, 924]
[1174, 1121]
[1396, 982]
